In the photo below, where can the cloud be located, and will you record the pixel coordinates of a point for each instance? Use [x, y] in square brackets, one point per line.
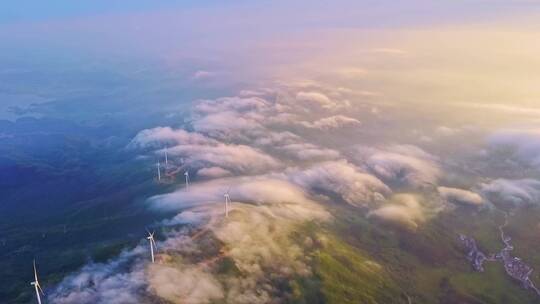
[254, 190]
[254, 119]
[319, 99]
[235, 104]
[234, 158]
[255, 236]
[224, 121]
[184, 284]
[332, 122]
[525, 144]
[343, 179]
[446, 131]
[401, 164]
[160, 136]
[277, 139]
[503, 108]
[200, 151]
[201, 74]
[308, 152]
[252, 93]
[404, 210]
[186, 217]
[115, 282]
[460, 196]
[213, 172]
[515, 192]
[352, 72]
[232, 118]
[257, 239]
[231, 131]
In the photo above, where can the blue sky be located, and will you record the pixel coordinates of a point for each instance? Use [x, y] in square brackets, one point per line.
[34, 10]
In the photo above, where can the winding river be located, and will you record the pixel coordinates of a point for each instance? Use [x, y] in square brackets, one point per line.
[513, 266]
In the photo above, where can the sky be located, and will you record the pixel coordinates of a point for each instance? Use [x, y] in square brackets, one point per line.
[437, 42]
[28, 10]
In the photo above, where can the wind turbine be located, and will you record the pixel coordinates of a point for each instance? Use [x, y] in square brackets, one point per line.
[158, 171]
[152, 244]
[227, 202]
[36, 285]
[187, 179]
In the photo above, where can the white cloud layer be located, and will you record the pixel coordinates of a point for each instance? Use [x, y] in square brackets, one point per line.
[517, 192]
[525, 144]
[460, 196]
[186, 284]
[115, 282]
[343, 179]
[253, 190]
[309, 99]
[200, 151]
[332, 122]
[403, 210]
[401, 164]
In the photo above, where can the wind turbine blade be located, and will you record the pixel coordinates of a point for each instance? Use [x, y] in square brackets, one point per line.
[37, 296]
[41, 290]
[35, 272]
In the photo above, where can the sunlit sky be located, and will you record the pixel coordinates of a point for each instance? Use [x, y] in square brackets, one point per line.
[466, 51]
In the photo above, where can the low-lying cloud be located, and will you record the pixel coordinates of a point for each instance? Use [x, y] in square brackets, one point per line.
[184, 284]
[344, 180]
[524, 144]
[116, 282]
[404, 210]
[199, 151]
[515, 192]
[332, 122]
[404, 165]
[460, 196]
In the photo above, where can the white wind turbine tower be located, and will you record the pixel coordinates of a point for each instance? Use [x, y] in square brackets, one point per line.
[187, 179]
[158, 171]
[152, 244]
[227, 202]
[36, 285]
